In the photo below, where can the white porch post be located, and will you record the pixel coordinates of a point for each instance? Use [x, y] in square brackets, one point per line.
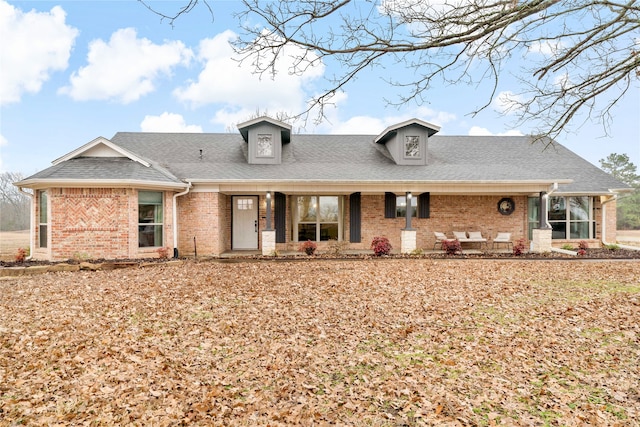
[408, 235]
[268, 234]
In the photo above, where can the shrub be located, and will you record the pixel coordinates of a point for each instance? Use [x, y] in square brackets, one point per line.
[308, 247]
[519, 247]
[163, 253]
[451, 247]
[612, 247]
[582, 252]
[21, 255]
[381, 246]
[337, 247]
[567, 247]
[583, 245]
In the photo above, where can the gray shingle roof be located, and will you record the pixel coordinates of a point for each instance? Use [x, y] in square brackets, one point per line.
[339, 158]
[104, 168]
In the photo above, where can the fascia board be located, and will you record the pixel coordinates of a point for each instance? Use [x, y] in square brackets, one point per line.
[397, 126]
[37, 184]
[101, 140]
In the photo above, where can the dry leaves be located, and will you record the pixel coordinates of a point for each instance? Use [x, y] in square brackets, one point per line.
[377, 342]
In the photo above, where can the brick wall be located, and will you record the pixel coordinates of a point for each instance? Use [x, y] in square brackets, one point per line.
[103, 223]
[198, 218]
[90, 223]
[448, 213]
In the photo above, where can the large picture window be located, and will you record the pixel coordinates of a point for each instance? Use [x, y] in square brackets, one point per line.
[570, 217]
[317, 218]
[43, 220]
[150, 219]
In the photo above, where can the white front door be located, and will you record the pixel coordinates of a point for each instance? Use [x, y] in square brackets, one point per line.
[244, 233]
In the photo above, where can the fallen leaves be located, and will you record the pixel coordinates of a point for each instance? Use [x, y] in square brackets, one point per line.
[368, 342]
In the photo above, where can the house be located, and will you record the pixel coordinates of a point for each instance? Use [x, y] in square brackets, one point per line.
[266, 188]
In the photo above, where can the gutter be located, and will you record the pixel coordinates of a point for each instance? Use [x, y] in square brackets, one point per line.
[175, 219]
[32, 218]
[604, 224]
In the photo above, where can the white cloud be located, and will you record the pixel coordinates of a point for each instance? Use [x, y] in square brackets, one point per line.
[168, 122]
[224, 80]
[479, 131]
[125, 68]
[546, 47]
[34, 44]
[508, 103]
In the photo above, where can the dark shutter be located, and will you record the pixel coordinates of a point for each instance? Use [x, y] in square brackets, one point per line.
[423, 205]
[280, 217]
[389, 205]
[354, 218]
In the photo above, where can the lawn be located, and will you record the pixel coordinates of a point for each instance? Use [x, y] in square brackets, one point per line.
[369, 342]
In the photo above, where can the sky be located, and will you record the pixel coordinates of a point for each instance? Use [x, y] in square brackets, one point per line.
[72, 71]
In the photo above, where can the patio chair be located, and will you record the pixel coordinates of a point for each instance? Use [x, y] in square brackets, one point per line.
[476, 237]
[440, 237]
[502, 238]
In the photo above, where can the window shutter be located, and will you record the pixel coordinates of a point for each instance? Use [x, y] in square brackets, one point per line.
[355, 218]
[423, 205]
[389, 205]
[280, 216]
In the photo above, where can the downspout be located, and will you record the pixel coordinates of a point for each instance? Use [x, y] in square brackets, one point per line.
[604, 224]
[32, 217]
[554, 188]
[175, 220]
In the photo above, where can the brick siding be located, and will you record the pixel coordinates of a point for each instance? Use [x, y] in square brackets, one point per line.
[103, 223]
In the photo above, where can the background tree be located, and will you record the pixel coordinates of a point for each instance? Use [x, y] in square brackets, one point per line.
[589, 49]
[14, 205]
[628, 207]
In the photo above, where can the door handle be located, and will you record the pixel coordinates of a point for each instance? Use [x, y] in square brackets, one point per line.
[255, 223]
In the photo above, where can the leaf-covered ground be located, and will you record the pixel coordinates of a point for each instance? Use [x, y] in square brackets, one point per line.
[367, 342]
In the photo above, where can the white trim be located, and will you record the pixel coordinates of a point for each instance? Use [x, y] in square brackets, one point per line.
[404, 124]
[121, 152]
[257, 120]
[38, 184]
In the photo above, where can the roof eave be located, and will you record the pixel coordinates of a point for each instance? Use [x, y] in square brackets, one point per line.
[37, 184]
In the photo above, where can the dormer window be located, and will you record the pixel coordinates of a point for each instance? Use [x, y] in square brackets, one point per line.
[407, 142]
[265, 138]
[412, 146]
[265, 145]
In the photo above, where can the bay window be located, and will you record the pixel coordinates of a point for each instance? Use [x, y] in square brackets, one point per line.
[570, 217]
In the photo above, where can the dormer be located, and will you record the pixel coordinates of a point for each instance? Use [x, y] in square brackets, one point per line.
[407, 142]
[265, 137]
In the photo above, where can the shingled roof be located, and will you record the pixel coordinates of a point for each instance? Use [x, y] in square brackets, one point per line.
[177, 158]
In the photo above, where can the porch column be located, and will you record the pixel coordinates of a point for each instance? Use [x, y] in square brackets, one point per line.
[268, 234]
[408, 234]
[542, 236]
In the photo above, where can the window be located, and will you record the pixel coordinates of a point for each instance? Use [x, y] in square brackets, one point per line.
[569, 217]
[149, 219]
[43, 220]
[317, 218]
[401, 206]
[412, 146]
[265, 145]
[533, 214]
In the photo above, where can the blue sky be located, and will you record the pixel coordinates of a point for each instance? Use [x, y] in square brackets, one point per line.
[75, 70]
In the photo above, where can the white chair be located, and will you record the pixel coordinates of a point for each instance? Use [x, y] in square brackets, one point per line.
[440, 237]
[502, 238]
[476, 237]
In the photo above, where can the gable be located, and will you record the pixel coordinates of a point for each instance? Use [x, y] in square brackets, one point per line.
[100, 147]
